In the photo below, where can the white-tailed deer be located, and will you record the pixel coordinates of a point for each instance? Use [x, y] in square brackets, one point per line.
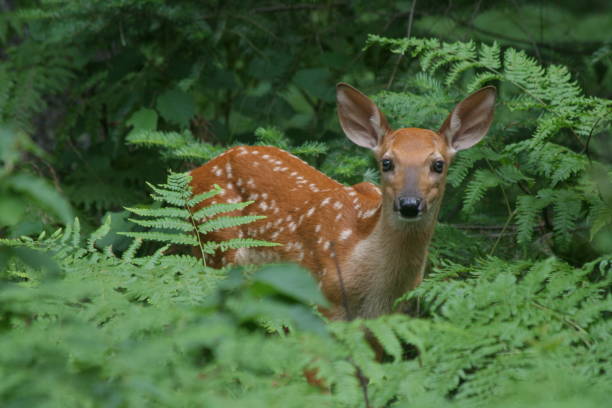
[374, 238]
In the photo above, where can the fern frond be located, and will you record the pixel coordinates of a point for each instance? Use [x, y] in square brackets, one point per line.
[220, 208]
[159, 212]
[164, 223]
[527, 208]
[198, 198]
[482, 181]
[567, 206]
[163, 237]
[97, 234]
[227, 222]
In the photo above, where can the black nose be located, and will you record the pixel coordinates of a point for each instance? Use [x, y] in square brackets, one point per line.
[409, 206]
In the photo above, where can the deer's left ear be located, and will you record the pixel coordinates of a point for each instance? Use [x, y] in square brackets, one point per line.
[469, 122]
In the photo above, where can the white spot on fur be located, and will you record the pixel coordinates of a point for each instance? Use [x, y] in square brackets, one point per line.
[263, 206]
[337, 205]
[313, 188]
[228, 169]
[318, 228]
[246, 256]
[338, 216]
[253, 196]
[292, 226]
[326, 245]
[345, 234]
[310, 211]
[251, 182]
[369, 213]
[325, 201]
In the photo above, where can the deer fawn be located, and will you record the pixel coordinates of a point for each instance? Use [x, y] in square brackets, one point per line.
[366, 245]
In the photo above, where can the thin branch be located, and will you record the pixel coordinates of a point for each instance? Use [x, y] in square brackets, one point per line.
[501, 234]
[570, 49]
[303, 6]
[399, 58]
[586, 146]
[345, 303]
[567, 321]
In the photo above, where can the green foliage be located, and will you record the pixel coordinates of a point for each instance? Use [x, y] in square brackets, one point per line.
[178, 222]
[167, 330]
[541, 166]
[97, 97]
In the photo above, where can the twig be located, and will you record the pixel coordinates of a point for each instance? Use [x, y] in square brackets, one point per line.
[501, 234]
[521, 41]
[531, 40]
[345, 303]
[565, 320]
[586, 146]
[304, 6]
[363, 382]
[399, 58]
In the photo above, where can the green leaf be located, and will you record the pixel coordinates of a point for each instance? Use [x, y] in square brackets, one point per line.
[291, 280]
[41, 192]
[316, 82]
[143, 119]
[176, 106]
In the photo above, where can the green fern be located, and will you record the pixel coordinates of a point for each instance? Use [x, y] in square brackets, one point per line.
[179, 224]
[549, 154]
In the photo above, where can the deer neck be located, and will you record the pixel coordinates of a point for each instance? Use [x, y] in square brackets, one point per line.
[390, 260]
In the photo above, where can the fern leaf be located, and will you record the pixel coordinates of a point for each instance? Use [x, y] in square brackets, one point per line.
[130, 252]
[227, 222]
[198, 198]
[98, 234]
[490, 56]
[160, 212]
[482, 181]
[220, 208]
[527, 208]
[566, 210]
[165, 223]
[163, 237]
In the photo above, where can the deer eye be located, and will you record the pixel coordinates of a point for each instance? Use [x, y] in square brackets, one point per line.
[437, 166]
[387, 164]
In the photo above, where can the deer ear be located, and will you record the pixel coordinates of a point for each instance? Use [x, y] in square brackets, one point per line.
[469, 122]
[363, 123]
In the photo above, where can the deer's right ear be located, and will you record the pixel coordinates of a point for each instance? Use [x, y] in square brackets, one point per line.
[363, 123]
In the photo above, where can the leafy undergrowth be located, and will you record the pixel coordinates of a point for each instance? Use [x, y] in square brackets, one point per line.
[89, 328]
